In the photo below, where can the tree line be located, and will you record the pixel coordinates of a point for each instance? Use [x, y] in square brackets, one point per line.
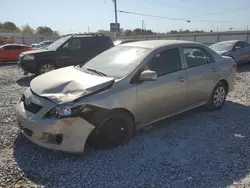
[10, 27]
[139, 32]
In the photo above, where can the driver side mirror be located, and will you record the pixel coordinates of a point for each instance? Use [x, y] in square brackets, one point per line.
[148, 75]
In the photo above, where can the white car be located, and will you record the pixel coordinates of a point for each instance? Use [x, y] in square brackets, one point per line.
[42, 44]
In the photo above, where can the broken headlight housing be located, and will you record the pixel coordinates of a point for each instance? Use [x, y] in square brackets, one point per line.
[65, 111]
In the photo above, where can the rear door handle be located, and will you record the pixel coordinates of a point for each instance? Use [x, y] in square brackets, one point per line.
[181, 79]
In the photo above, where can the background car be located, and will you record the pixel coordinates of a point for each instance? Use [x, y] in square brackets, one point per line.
[73, 49]
[11, 52]
[237, 49]
[123, 41]
[42, 44]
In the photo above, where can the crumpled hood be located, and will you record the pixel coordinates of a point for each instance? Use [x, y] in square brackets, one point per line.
[67, 84]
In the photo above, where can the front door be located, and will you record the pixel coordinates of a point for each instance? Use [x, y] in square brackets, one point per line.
[202, 76]
[166, 95]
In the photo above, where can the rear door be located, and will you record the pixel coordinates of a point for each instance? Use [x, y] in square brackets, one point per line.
[201, 71]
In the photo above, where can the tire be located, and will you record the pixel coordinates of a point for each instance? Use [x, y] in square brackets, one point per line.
[42, 68]
[114, 129]
[217, 97]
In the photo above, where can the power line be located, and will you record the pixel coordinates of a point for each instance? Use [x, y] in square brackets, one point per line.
[200, 14]
[178, 19]
[222, 12]
[148, 15]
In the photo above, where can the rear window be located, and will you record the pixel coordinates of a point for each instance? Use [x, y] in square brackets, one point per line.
[96, 44]
[13, 47]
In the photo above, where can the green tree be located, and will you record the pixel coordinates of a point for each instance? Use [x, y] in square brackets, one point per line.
[26, 29]
[56, 33]
[128, 32]
[8, 27]
[44, 31]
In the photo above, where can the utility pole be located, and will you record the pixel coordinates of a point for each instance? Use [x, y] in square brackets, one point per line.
[115, 6]
[142, 24]
[88, 29]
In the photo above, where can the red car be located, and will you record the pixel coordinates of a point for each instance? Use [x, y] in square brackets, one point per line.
[11, 52]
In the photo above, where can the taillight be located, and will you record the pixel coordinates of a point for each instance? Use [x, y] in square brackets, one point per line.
[235, 65]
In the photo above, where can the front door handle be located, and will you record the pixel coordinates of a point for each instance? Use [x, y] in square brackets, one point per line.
[214, 70]
[181, 79]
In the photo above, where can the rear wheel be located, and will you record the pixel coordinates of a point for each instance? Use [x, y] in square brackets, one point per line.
[46, 67]
[115, 129]
[218, 97]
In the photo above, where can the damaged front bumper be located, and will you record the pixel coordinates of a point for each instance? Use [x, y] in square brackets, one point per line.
[66, 134]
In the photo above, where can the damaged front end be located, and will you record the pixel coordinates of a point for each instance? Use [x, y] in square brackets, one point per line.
[53, 114]
[54, 126]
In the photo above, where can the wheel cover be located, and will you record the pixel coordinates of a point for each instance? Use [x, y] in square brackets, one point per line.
[46, 68]
[219, 96]
[114, 132]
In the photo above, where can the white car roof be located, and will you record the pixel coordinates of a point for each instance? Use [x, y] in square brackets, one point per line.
[153, 44]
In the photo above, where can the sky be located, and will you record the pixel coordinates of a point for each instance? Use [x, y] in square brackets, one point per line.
[79, 15]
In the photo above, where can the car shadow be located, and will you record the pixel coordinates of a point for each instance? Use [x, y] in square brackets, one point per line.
[198, 148]
[243, 67]
[25, 81]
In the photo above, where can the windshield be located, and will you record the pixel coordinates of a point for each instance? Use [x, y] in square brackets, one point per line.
[117, 61]
[58, 43]
[222, 46]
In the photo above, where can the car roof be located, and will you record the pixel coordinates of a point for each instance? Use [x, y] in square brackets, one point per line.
[14, 45]
[228, 41]
[128, 40]
[153, 44]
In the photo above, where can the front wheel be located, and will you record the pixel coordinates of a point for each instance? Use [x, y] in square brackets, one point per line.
[116, 129]
[46, 67]
[217, 97]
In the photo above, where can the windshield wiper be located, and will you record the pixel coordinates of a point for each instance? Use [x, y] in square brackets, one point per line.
[97, 72]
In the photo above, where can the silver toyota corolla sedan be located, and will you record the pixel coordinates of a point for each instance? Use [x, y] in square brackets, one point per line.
[121, 90]
[238, 50]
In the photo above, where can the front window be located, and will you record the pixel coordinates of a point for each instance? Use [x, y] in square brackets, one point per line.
[222, 46]
[74, 44]
[165, 62]
[55, 45]
[118, 61]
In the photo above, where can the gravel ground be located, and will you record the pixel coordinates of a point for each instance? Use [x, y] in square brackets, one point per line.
[194, 149]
